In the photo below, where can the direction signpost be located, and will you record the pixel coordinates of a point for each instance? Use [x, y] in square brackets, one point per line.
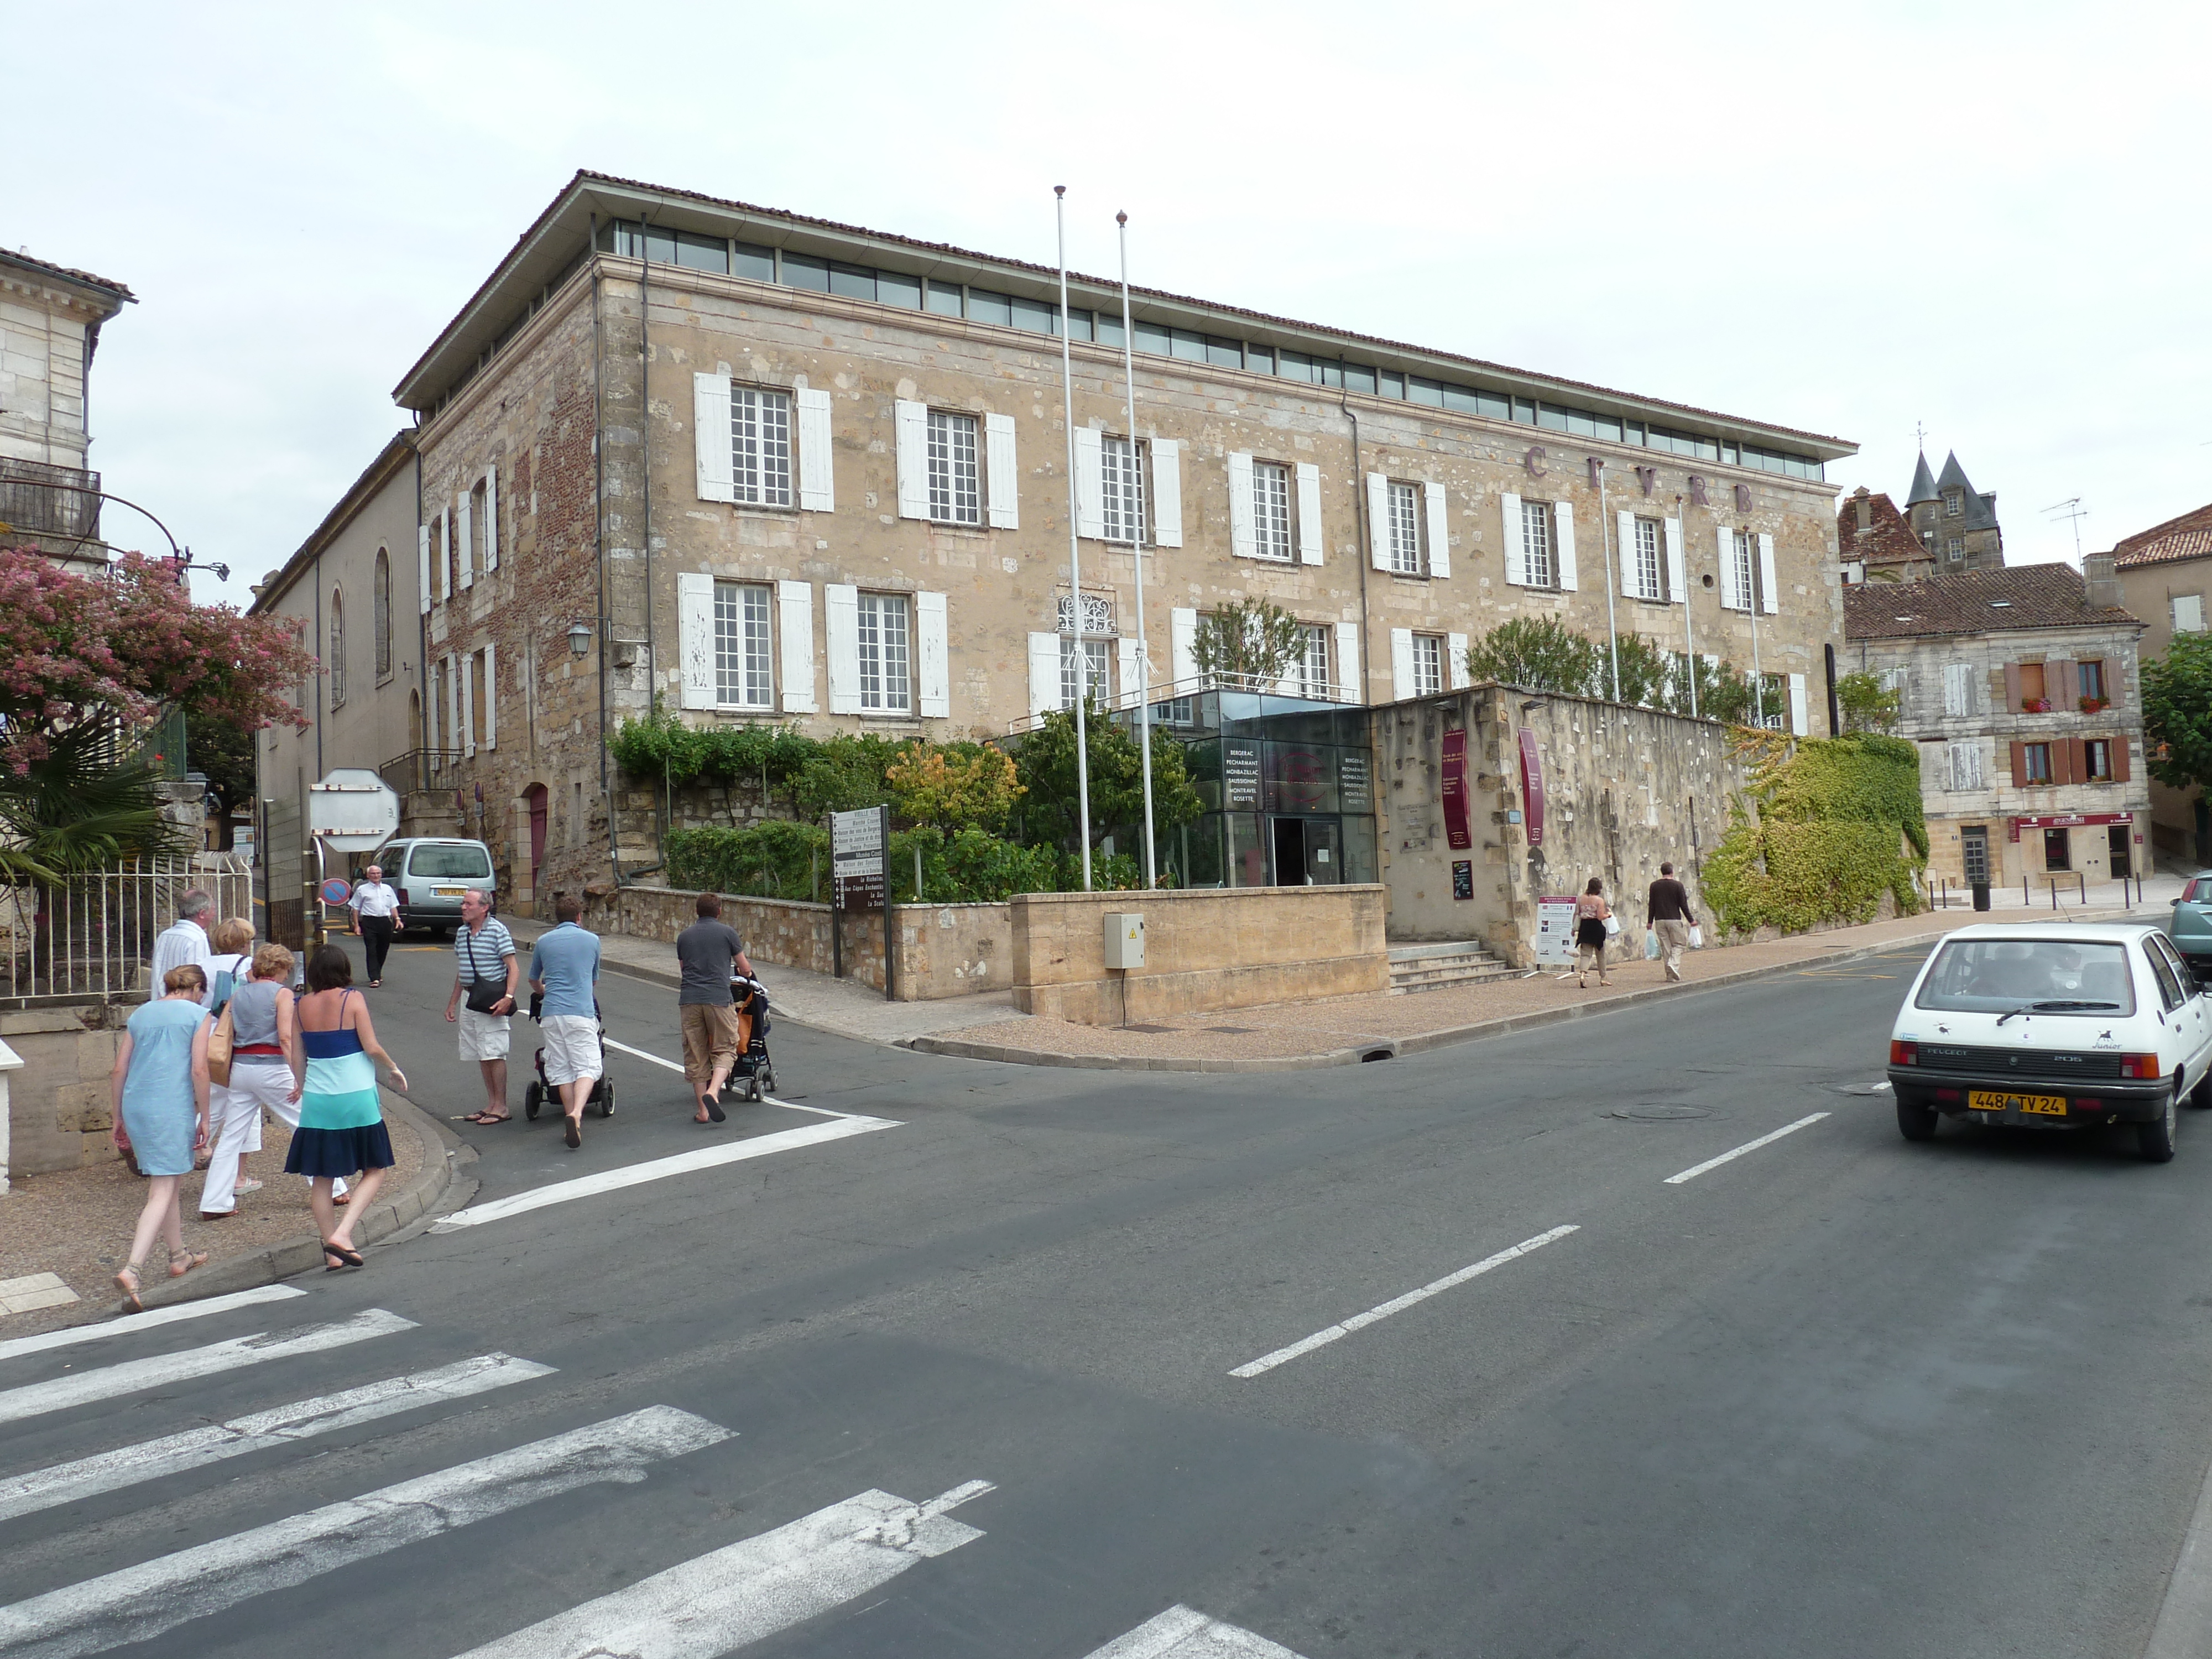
[350, 810]
[858, 844]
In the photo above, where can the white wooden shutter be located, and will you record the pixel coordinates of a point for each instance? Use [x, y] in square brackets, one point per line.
[1455, 669]
[794, 603]
[1797, 704]
[467, 708]
[1347, 663]
[1241, 540]
[1515, 540]
[464, 511]
[1958, 688]
[934, 656]
[492, 516]
[1167, 492]
[817, 470]
[446, 553]
[912, 431]
[1044, 673]
[1731, 599]
[1678, 580]
[1005, 483]
[1563, 526]
[710, 437]
[491, 687]
[1309, 538]
[1401, 664]
[695, 635]
[423, 566]
[1378, 520]
[1432, 500]
[1182, 649]
[1623, 526]
[1089, 483]
[841, 625]
[1126, 668]
[455, 731]
[1767, 598]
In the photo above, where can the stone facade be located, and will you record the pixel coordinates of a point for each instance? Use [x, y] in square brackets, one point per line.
[50, 324]
[60, 1103]
[2165, 576]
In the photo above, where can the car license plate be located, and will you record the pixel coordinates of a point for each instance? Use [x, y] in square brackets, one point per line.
[449, 892]
[1986, 1100]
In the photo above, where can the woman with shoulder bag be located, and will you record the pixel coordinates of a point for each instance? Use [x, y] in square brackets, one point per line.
[1593, 926]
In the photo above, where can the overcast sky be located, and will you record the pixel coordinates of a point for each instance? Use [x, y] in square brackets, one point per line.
[1989, 218]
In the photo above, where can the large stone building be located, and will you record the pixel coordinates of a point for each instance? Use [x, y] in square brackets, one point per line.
[761, 467]
[2165, 572]
[50, 324]
[1955, 522]
[2019, 686]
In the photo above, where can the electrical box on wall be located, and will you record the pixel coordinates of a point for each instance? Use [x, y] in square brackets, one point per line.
[1125, 939]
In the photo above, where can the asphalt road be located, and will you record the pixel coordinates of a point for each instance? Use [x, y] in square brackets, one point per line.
[1840, 1395]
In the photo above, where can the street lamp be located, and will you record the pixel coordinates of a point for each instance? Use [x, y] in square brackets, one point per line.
[580, 639]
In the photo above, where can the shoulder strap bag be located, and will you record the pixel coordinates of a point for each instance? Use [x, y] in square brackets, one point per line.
[483, 993]
[220, 1041]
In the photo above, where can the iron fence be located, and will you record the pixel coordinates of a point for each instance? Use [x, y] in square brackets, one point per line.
[436, 771]
[41, 499]
[92, 935]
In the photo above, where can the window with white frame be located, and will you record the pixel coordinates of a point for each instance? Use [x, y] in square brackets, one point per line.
[1746, 567]
[1956, 550]
[1958, 688]
[1405, 529]
[1428, 663]
[1094, 653]
[955, 483]
[1122, 476]
[1313, 661]
[2189, 613]
[1271, 510]
[886, 677]
[760, 446]
[1648, 560]
[1536, 545]
[743, 677]
[1966, 762]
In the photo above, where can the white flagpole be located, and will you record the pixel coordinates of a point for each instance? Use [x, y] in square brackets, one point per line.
[1075, 548]
[1144, 648]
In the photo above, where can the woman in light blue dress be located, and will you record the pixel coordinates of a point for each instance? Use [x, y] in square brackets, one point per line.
[161, 1084]
[341, 1114]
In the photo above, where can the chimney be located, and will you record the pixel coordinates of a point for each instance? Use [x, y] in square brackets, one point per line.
[1865, 504]
[2101, 583]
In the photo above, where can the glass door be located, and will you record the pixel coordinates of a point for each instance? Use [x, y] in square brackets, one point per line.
[1324, 852]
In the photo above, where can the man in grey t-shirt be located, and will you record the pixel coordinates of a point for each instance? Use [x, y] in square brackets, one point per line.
[707, 950]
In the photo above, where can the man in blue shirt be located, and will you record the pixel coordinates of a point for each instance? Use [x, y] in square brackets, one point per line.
[563, 967]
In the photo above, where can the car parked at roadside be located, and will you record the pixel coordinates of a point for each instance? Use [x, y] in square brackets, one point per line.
[2053, 1027]
[2190, 926]
[430, 873]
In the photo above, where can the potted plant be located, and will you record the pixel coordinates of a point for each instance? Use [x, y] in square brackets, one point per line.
[2035, 705]
[2095, 705]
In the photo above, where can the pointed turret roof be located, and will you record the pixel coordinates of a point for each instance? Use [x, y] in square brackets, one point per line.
[1924, 486]
[1979, 510]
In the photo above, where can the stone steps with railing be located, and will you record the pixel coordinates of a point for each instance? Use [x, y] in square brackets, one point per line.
[1431, 967]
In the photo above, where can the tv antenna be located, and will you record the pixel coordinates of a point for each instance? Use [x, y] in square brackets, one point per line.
[2071, 508]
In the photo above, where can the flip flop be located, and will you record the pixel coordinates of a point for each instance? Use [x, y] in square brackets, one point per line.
[485, 1120]
[570, 1134]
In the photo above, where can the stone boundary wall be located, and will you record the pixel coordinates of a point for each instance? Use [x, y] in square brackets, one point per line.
[59, 1104]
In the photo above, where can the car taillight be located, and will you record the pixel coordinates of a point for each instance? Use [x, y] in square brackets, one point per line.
[1904, 1053]
[2140, 1066]
[2082, 1105]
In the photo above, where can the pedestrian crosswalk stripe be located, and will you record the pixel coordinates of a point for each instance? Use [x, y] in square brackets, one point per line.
[35, 1398]
[137, 1603]
[153, 1317]
[716, 1603]
[1181, 1634]
[66, 1483]
[675, 1065]
[659, 1169]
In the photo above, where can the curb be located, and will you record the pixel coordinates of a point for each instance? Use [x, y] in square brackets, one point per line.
[441, 1157]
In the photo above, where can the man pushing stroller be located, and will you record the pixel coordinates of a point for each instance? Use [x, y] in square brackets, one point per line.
[711, 955]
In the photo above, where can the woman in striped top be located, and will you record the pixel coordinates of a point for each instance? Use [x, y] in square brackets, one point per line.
[341, 1115]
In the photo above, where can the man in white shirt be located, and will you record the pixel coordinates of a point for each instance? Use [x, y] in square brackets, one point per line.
[184, 941]
[376, 910]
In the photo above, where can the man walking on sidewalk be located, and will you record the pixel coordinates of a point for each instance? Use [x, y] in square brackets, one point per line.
[1669, 908]
[486, 972]
[707, 951]
[375, 907]
[563, 967]
[185, 941]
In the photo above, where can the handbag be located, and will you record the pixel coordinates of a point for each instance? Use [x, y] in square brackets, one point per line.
[483, 993]
[220, 1041]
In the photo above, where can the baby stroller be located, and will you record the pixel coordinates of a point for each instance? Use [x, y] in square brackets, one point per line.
[754, 1075]
[538, 1091]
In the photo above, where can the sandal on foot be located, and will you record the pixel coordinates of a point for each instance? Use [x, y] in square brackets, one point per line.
[571, 1132]
[127, 1282]
[191, 1259]
[715, 1111]
[341, 1198]
[346, 1258]
[485, 1120]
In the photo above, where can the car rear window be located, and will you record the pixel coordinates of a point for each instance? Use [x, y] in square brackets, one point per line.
[450, 863]
[1994, 975]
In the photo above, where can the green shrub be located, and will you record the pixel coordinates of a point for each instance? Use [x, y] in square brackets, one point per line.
[774, 860]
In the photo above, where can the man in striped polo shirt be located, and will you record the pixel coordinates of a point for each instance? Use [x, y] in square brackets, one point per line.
[484, 962]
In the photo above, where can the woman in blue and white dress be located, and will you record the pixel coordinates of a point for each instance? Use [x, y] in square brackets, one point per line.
[341, 1114]
[161, 1084]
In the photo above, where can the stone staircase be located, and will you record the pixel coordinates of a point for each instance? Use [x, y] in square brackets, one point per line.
[1431, 967]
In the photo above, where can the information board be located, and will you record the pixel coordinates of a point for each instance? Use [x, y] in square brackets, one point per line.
[1352, 775]
[1240, 774]
[856, 857]
[1555, 931]
[1463, 879]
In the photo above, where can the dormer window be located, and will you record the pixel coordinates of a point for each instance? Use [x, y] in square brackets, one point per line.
[1955, 504]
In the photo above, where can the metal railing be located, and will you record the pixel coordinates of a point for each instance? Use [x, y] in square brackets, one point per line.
[1167, 691]
[92, 935]
[420, 770]
[39, 498]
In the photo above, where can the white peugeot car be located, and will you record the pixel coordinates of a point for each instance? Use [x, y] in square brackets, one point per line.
[2057, 1027]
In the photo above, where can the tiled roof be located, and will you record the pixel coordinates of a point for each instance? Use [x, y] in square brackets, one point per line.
[2188, 537]
[1976, 602]
[1887, 540]
[49, 269]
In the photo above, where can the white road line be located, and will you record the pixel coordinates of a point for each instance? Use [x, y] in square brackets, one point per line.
[1268, 1362]
[1185, 1634]
[214, 1304]
[659, 1169]
[140, 1603]
[716, 1603]
[63, 1392]
[65, 1483]
[673, 1066]
[1697, 1170]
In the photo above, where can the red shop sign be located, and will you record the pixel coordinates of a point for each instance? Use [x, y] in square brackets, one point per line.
[1455, 788]
[2073, 820]
[1532, 785]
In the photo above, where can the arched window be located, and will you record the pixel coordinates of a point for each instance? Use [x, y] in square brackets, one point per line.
[383, 618]
[334, 665]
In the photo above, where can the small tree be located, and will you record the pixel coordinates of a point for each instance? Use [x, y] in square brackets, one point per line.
[1866, 706]
[1645, 670]
[1048, 810]
[1722, 693]
[1538, 655]
[1248, 645]
[2176, 693]
[223, 749]
[954, 786]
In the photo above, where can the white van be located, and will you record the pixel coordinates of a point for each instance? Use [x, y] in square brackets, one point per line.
[430, 873]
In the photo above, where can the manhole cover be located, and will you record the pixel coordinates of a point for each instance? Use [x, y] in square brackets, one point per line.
[1151, 1028]
[1882, 1088]
[1662, 1114]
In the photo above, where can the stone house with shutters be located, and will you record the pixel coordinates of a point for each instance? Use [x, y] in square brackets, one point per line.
[50, 322]
[2020, 687]
[2166, 575]
[755, 467]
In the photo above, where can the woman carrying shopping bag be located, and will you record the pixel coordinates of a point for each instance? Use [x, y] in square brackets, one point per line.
[1594, 924]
